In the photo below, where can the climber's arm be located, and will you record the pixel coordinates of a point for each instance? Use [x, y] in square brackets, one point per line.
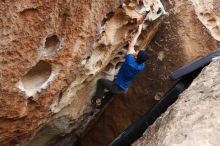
[134, 40]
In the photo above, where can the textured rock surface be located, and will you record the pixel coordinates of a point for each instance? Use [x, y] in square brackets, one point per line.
[51, 52]
[194, 118]
[208, 13]
[42, 47]
[181, 38]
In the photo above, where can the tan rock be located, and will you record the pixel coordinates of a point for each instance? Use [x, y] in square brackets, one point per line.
[42, 46]
[208, 14]
[51, 53]
[194, 118]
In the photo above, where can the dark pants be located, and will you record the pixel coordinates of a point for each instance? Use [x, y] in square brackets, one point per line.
[103, 84]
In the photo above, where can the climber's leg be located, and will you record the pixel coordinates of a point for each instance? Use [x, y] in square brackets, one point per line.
[103, 84]
[99, 90]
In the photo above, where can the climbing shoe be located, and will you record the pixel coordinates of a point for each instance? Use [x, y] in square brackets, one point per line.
[93, 100]
[98, 102]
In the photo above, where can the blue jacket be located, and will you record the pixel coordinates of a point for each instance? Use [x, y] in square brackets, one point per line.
[128, 71]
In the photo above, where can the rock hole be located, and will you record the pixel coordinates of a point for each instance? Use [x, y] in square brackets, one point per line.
[118, 65]
[87, 58]
[116, 59]
[35, 79]
[98, 63]
[208, 16]
[123, 51]
[120, 53]
[109, 67]
[103, 22]
[107, 17]
[29, 12]
[51, 44]
[159, 11]
[126, 46]
[212, 21]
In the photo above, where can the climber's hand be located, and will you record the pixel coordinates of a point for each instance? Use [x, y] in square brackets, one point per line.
[140, 28]
[131, 49]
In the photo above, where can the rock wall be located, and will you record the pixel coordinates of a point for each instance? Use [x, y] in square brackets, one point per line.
[194, 118]
[51, 53]
[208, 14]
[181, 38]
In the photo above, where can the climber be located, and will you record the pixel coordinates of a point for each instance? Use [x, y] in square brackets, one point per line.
[134, 63]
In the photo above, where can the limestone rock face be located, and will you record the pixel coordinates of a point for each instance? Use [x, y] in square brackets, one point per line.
[194, 118]
[51, 53]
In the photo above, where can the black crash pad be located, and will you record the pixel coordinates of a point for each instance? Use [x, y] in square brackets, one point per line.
[196, 65]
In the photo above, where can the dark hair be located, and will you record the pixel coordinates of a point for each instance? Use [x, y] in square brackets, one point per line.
[142, 56]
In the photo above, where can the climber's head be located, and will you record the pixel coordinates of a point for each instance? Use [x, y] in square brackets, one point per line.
[141, 56]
